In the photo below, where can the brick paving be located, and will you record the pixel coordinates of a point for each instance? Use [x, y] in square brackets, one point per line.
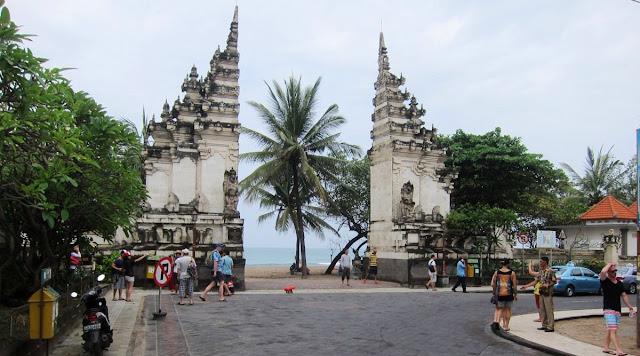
[331, 322]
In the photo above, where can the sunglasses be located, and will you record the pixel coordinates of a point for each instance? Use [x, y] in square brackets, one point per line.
[613, 271]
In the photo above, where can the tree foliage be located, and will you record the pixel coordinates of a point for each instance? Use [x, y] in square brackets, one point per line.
[66, 168]
[482, 220]
[350, 201]
[496, 170]
[500, 187]
[601, 175]
[297, 147]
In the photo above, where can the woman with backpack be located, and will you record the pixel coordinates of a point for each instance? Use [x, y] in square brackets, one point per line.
[505, 287]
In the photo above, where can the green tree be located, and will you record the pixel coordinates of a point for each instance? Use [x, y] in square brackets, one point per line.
[626, 187]
[600, 177]
[497, 171]
[482, 220]
[66, 168]
[276, 198]
[296, 145]
[349, 201]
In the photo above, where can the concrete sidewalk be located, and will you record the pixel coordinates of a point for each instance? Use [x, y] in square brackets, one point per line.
[124, 316]
[524, 332]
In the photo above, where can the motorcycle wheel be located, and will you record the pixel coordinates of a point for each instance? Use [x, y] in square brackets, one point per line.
[97, 349]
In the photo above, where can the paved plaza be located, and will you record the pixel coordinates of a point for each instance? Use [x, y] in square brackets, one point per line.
[379, 320]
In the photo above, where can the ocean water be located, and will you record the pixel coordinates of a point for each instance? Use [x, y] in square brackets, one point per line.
[282, 256]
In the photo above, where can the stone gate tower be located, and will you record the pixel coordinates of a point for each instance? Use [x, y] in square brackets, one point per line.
[409, 193]
[192, 163]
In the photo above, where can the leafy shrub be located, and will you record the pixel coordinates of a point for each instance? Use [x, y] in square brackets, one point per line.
[104, 266]
[593, 264]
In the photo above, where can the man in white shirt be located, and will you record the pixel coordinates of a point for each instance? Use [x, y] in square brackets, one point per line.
[345, 262]
[433, 273]
[186, 282]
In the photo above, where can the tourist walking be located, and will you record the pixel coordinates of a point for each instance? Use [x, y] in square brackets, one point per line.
[433, 273]
[74, 259]
[128, 272]
[216, 276]
[505, 286]
[227, 270]
[373, 267]
[462, 276]
[612, 290]
[345, 263]
[547, 278]
[186, 282]
[117, 267]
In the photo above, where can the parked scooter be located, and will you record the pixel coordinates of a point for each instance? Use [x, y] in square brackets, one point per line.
[97, 333]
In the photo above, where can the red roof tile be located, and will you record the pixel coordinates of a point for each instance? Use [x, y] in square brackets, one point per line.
[607, 209]
[634, 209]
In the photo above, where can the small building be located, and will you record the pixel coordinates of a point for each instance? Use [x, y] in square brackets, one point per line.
[608, 214]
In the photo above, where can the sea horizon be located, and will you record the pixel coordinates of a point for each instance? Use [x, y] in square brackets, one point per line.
[284, 256]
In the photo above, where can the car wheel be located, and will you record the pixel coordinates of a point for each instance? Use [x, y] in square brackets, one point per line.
[632, 288]
[570, 291]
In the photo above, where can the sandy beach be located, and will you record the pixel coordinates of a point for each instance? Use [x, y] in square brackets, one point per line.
[277, 272]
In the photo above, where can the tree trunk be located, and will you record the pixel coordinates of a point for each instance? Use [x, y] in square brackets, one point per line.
[297, 251]
[299, 224]
[337, 258]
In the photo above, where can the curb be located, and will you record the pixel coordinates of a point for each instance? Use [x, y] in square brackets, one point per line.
[547, 349]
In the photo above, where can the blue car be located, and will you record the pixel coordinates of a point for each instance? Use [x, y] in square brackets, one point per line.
[571, 280]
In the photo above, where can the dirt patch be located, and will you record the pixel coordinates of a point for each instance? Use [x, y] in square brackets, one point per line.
[593, 331]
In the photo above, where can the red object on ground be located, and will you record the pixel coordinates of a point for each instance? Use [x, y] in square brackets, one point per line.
[289, 289]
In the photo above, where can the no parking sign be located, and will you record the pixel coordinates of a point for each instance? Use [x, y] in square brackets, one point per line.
[163, 272]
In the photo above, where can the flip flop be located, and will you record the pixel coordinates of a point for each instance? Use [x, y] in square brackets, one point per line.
[202, 299]
[608, 352]
[122, 299]
[180, 303]
[190, 303]
[621, 354]
[114, 299]
[222, 300]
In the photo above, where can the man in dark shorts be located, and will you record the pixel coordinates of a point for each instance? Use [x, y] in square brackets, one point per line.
[216, 275]
[373, 267]
[612, 290]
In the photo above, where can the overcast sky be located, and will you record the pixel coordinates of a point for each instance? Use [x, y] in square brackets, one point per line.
[562, 75]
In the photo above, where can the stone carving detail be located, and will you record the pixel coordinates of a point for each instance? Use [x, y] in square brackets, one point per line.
[230, 188]
[406, 201]
[173, 205]
[201, 203]
[235, 235]
[435, 214]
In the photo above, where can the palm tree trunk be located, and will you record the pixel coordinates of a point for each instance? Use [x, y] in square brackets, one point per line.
[297, 251]
[299, 226]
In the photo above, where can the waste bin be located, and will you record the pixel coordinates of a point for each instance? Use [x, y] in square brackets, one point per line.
[151, 270]
[49, 298]
[151, 265]
[470, 270]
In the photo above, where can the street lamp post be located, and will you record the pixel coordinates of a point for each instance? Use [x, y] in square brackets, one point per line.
[194, 217]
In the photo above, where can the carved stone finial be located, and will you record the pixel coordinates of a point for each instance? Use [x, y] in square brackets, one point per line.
[232, 40]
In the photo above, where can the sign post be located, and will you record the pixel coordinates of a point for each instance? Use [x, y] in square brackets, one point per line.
[523, 239]
[162, 276]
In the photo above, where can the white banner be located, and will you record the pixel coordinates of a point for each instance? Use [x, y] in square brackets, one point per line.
[546, 239]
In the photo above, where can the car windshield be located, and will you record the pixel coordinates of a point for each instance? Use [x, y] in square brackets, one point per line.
[623, 270]
[559, 270]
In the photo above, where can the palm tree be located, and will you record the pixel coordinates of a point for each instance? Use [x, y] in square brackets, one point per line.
[277, 199]
[296, 147]
[601, 175]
